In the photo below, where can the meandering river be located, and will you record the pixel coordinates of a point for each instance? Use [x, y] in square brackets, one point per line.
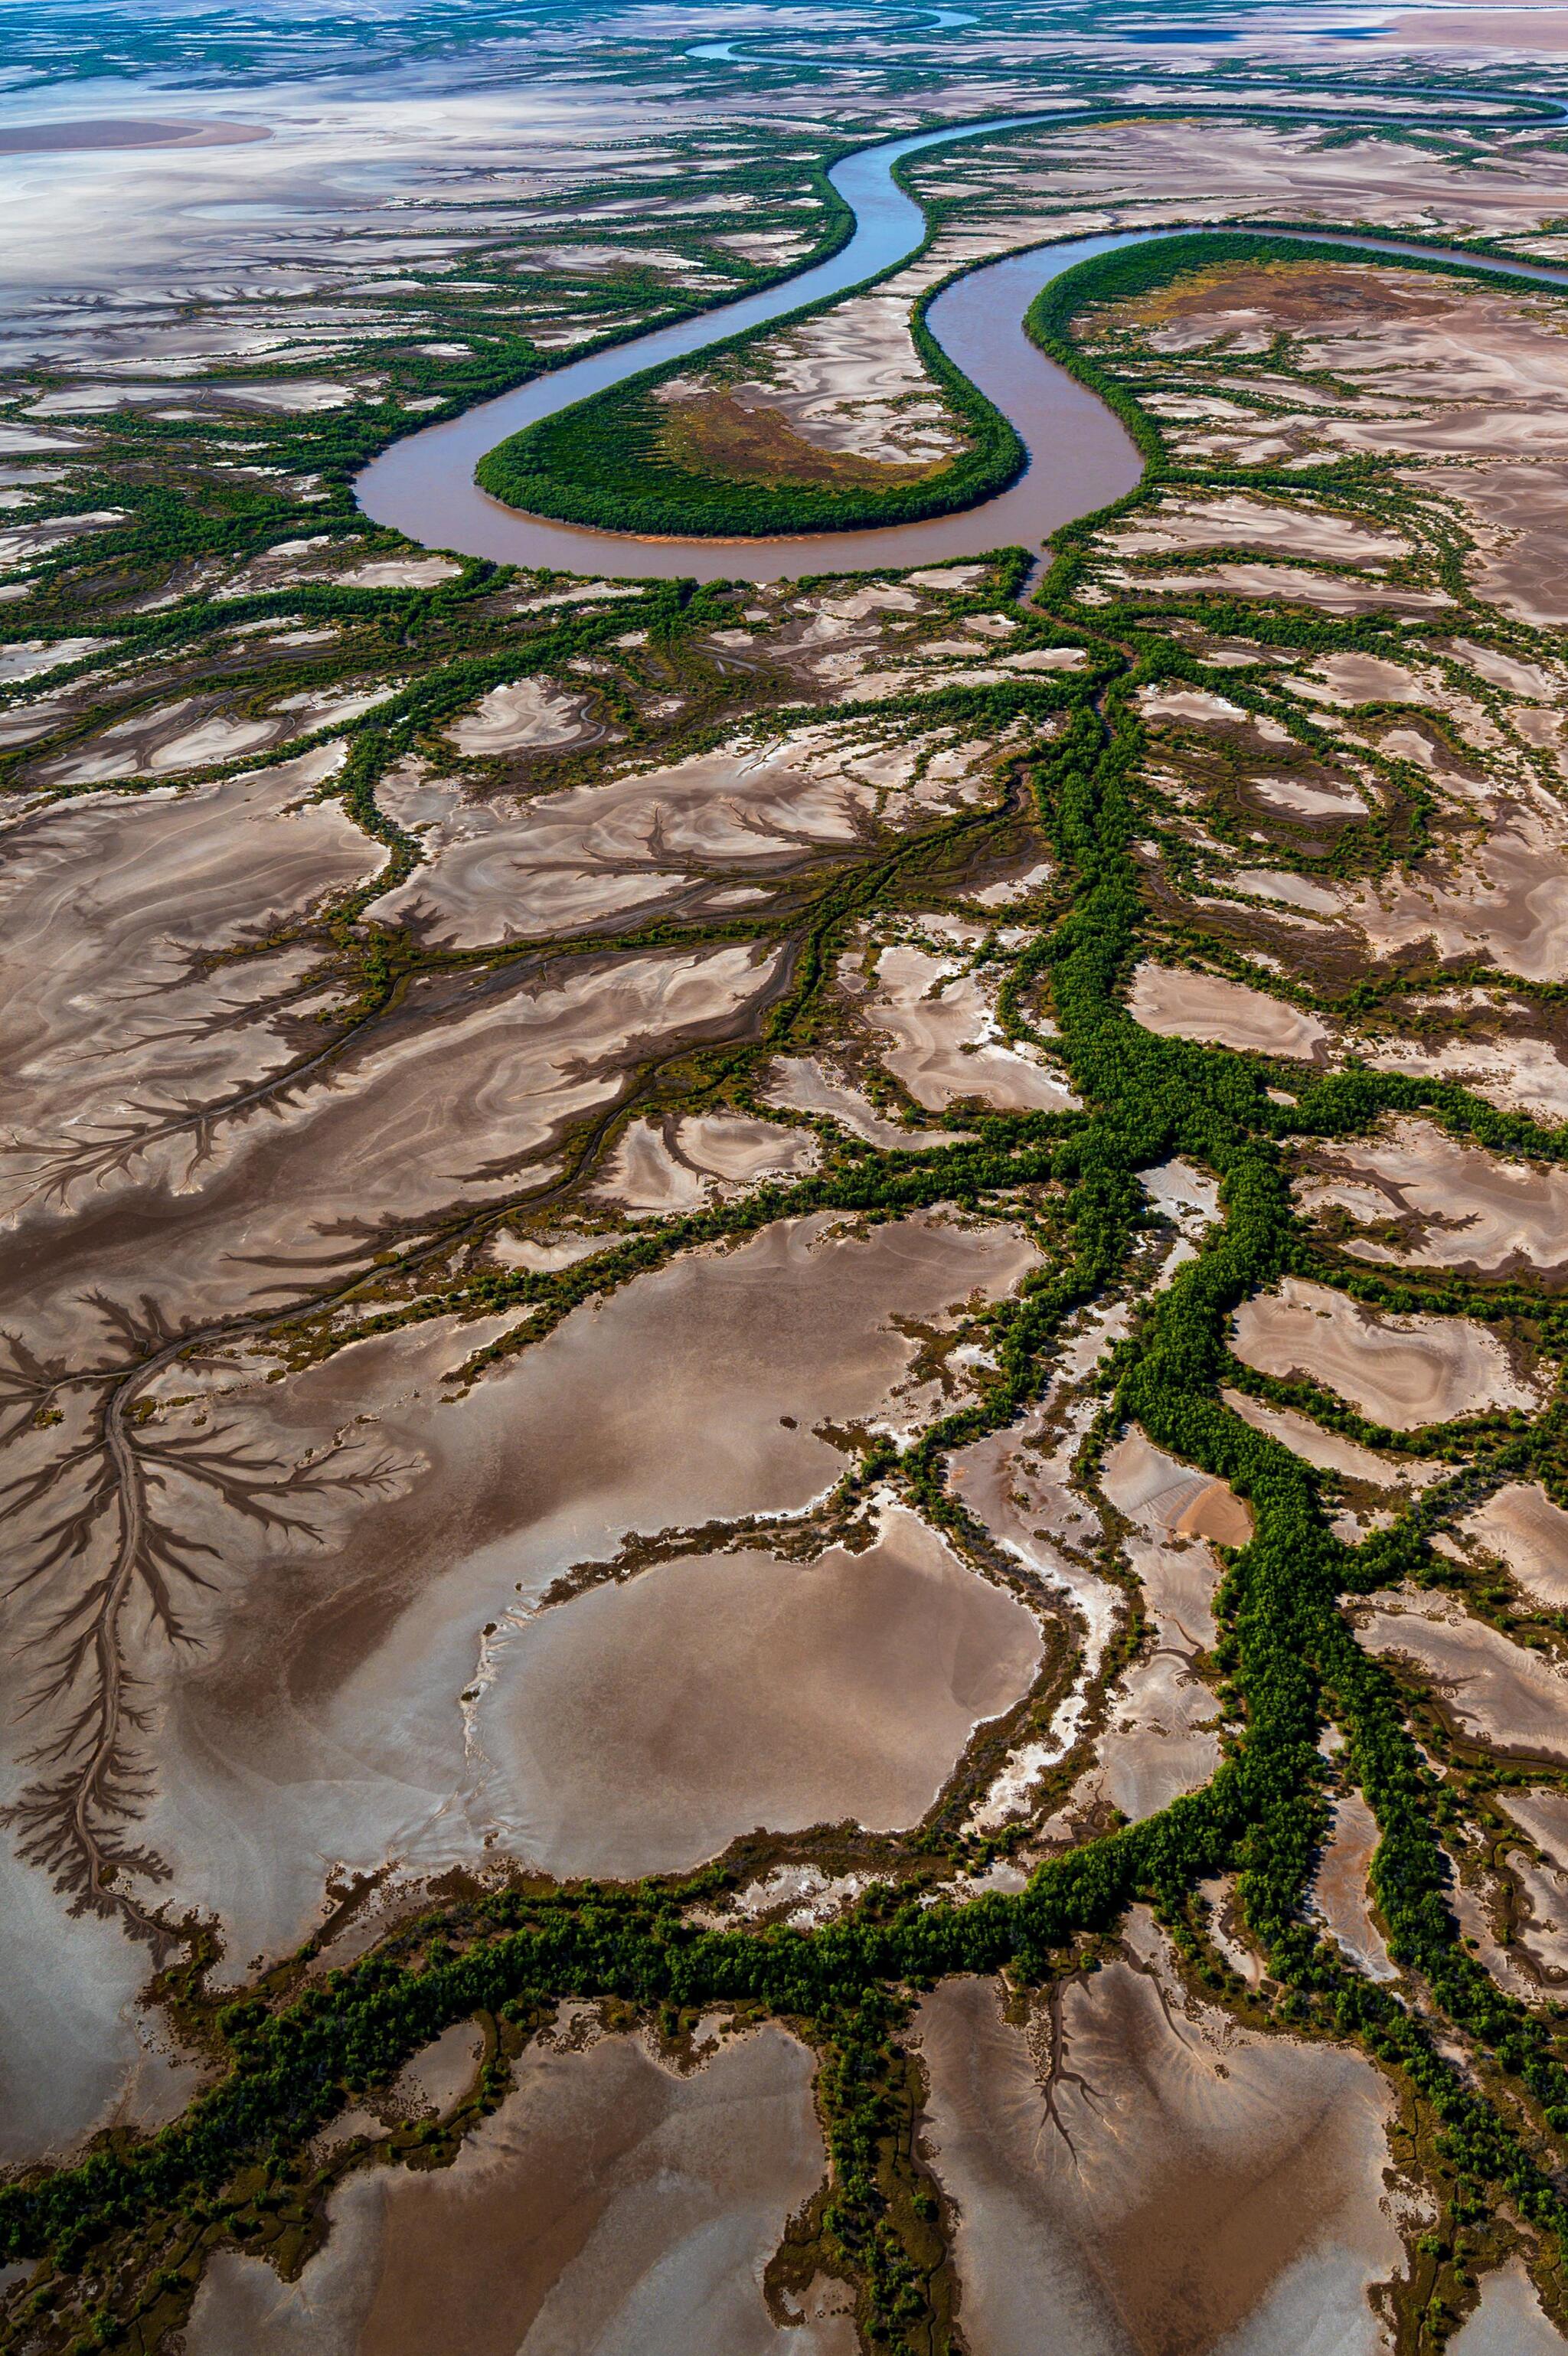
[1080, 456]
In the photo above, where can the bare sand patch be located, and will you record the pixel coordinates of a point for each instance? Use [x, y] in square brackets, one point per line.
[1520, 1523]
[1465, 1207]
[1230, 521]
[1028, 878]
[610, 2204]
[948, 1046]
[295, 396]
[1401, 1371]
[1294, 584]
[638, 1729]
[1542, 1927]
[1365, 678]
[1177, 1003]
[1340, 1894]
[1133, 174]
[1198, 704]
[1517, 1073]
[1543, 1815]
[1188, 1194]
[1178, 2184]
[32, 656]
[581, 592]
[1292, 890]
[322, 1717]
[1309, 801]
[1044, 658]
[1163, 1737]
[1499, 1692]
[674, 1164]
[187, 735]
[436, 2078]
[800, 1084]
[1151, 1487]
[15, 439]
[399, 572]
[1532, 681]
[1509, 2320]
[530, 712]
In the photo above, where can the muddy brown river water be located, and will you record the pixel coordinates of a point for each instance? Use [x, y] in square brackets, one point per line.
[1080, 456]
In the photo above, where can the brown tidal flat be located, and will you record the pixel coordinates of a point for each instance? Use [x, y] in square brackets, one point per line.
[611, 2207]
[1527, 29]
[1014, 1481]
[499, 870]
[1401, 1371]
[1231, 522]
[442, 1103]
[321, 1715]
[1175, 2185]
[1162, 1738]
[1362, 679]
[106, 908]
[1543, 1815]
[675, 1165]
[1166, 1496]
[530, 713]
[1542, 1929]
[640, 1728]
[802, 1085]
[1518, 564]
[1519, 1073]
[946, 1043]
[1508, 902]
[1296, 586]
[1162, 1741]
[113, 131]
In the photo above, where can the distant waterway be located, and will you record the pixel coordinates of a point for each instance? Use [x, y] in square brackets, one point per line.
[1080, 456]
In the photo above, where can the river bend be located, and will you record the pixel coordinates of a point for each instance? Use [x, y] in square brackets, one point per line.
[1080, 456]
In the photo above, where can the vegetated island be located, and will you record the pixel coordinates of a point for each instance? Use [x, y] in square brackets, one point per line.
[751, 447]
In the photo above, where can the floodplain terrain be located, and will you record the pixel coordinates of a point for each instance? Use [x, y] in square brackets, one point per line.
[784, 1462]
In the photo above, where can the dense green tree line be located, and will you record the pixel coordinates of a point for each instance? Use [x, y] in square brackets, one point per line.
[605, 461]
